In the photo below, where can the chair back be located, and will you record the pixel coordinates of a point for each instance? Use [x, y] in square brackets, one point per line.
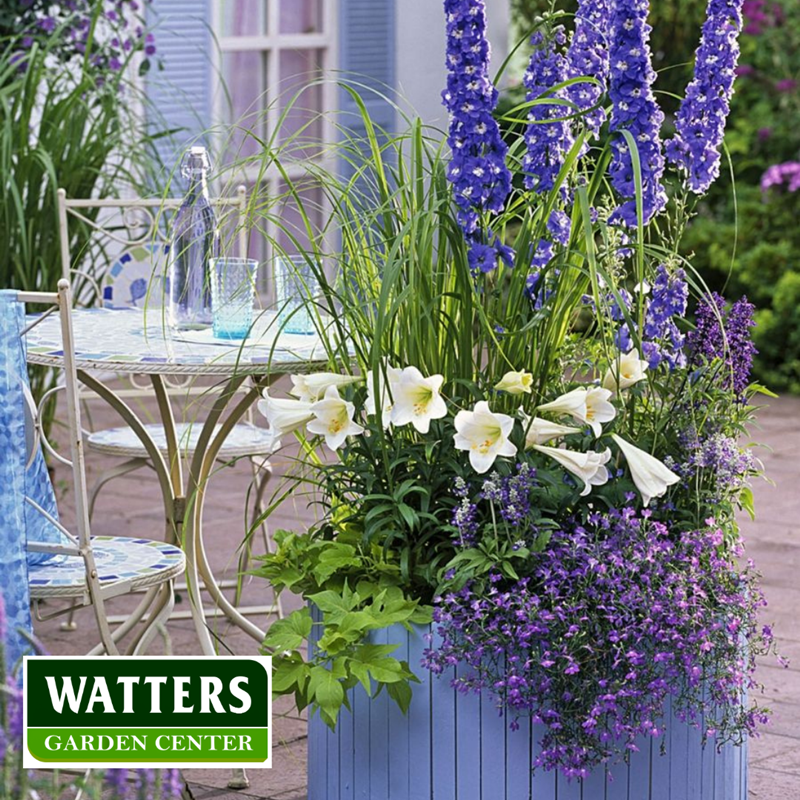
[132, 236]
[78, 543]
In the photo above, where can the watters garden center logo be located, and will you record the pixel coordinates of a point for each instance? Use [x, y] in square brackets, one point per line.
[147, 712]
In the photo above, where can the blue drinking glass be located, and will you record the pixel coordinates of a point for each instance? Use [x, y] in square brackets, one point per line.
[296, 288]
[233, 294]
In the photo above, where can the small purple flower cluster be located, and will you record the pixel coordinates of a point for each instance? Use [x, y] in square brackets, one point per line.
[726, 334]
[780, 175]
[121, 23]
[634, 109]
[662, 341]
[588, 56]
[729, 465]
[481, 180]
[700, 124]
[761, 14]
[618, 614]
[548, 137]
[510, 495]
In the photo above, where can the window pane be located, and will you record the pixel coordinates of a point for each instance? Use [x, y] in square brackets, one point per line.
[290, 213]
[244, 17]
[301, 16]
[244, 73]
[302, 125]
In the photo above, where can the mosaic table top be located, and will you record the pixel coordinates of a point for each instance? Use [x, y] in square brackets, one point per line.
[134, 341]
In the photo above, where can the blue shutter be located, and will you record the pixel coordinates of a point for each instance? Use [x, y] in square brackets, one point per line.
[367, 57]
[181, 92]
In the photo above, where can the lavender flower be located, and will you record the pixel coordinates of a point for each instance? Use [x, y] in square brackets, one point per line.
[634, 109]
[481, 180]
[588, 56]
[548, 137]
[116, 780]
[726, 335]
[700, 124]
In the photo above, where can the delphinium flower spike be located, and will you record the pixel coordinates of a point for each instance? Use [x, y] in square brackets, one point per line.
[634, 108]
[481, 180]
[587, 55]
[700, 124]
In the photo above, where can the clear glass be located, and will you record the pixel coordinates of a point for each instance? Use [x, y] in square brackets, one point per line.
[296, 289]
[233, 295]
[195, 242]
[301, 16]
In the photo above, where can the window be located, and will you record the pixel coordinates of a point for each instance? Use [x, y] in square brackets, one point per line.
[272, 51]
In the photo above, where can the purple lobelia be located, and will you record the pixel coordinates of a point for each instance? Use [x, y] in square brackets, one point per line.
[588, 56]
[634, 109]
[478, 172]
[618, 614]
[700, 124]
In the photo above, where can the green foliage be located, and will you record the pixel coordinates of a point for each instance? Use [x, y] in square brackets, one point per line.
[59, 129]
[325, 572]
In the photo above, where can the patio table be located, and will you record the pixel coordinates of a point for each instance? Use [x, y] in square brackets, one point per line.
[138, 343]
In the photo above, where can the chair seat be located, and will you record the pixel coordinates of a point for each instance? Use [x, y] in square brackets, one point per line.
[244, 440]
[142, 562]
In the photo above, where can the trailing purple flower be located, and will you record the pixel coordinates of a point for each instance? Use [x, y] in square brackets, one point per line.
[548, 137]
[481, 180]
[588, 56]
[634, 108]
[618, 614]
[700, 124]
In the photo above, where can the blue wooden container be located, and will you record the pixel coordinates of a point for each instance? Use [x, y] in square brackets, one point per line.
[457, 747]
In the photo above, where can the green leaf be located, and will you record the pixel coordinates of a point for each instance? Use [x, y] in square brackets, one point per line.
[326, 691]
[289, 674]
[289, 633]
[401, 693]
[747, 501]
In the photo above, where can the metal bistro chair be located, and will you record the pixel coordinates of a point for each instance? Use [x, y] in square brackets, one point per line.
[136, 229]
[90, 570]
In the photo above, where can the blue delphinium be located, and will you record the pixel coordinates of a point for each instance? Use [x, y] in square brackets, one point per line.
[700, 124]
[548, 137]
[634, 108]
[588, 56]
[481, 180]
[662, 341]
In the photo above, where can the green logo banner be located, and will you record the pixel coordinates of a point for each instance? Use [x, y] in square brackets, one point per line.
[147, 711]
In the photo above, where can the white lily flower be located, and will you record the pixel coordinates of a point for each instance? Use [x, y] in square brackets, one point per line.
[587, 405]
[333, 419]
[485, 435]
[387, 386]
[650, 476]
[541, 431]
[625, 371]
[417, 399]
[283, 416]
[589, 467]
[515, 383]
[310, 388]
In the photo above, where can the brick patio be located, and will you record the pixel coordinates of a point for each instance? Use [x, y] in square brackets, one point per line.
[131, 507]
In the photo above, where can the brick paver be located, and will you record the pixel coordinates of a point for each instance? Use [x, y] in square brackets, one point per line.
[131, 507]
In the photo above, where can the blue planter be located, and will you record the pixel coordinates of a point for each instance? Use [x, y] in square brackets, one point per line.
[457, 747]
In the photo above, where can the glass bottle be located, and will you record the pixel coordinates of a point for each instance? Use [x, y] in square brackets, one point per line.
[195, 241]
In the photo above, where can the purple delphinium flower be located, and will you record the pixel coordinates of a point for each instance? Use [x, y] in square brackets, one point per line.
[634, 108]
[700, 124]
[726, 335]
[587, 55]
[662, 341]
[481, 180]
[548, 137]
